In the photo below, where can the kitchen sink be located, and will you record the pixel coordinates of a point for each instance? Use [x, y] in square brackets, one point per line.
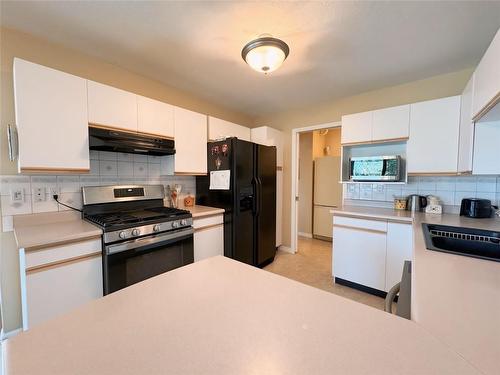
[477, 243]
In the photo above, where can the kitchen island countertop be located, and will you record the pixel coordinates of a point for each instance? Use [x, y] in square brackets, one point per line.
[456, 298]
[219, 316]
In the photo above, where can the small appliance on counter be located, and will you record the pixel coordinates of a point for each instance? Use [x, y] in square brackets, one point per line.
[433, 205]
[416, 202]
[476, 208]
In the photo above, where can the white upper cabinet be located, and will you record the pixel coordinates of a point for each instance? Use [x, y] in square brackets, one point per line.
[155, 117]
[487, 80]
[268, 136]
[486, 150]
[51, 118]
[433, 143]
[357, 127]
[218, 128]
[391, 123]
[190, 142]
[466, 133]
[112, 107]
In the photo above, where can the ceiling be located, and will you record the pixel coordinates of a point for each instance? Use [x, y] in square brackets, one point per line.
[337, 48]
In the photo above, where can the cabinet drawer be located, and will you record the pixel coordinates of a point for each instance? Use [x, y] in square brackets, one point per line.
[208, 221]
[50, 255]
[373, 225]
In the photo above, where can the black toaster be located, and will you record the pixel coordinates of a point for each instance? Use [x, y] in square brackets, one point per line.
[476, 208]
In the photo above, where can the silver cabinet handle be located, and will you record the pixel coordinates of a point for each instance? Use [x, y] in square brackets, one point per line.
[13, 142]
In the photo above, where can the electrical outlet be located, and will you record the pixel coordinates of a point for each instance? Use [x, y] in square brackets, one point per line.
[17, 195]
[40, 194]
[54, 191]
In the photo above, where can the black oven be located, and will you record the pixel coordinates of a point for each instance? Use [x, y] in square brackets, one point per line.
[129, 262]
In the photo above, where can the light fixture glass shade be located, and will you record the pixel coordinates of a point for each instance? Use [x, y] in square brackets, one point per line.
[265, 54]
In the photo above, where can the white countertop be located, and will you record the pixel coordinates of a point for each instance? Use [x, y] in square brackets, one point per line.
[454, 297]
[219, 316]
[36, 231]
[202, 211]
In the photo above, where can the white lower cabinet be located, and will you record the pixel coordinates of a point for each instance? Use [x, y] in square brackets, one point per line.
[359, 251]
[208, 237]
[399, 249]
[58, 279]
[370, 252]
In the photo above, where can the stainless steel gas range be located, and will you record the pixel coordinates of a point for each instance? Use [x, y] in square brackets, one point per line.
[141, 238]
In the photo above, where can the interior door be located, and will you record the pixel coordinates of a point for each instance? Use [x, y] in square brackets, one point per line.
[266, 201]
[245, 184]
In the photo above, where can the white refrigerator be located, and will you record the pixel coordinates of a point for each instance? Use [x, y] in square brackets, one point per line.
[327, 195]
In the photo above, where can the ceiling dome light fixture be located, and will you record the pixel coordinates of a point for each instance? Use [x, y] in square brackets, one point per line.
[265, 54]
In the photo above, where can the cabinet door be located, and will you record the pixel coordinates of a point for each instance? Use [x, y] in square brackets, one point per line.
[399, 249]
[466, 132]
[112, 107]
[487, 78]
[357, 127]
[323, 222]
[218, 128]
[433, 143]
[208, 242]
[391, 123]
[58, 289]
[486, 150]
[190, 142]
[51, 118]
[359, 255]
[155, 117]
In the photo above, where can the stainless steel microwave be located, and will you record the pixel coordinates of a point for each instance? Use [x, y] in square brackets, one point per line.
[375, 168]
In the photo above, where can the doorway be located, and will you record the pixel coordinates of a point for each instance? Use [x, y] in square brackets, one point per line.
[324, 161]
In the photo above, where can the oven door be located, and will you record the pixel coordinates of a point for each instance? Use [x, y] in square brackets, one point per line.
[130, 262]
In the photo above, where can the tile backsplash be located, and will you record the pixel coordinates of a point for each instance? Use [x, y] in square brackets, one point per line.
[450, 190]
[25, 194]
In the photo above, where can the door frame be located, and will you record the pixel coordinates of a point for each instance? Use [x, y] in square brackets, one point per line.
[295, 176]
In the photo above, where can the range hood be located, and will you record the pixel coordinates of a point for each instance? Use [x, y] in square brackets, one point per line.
[120, 141]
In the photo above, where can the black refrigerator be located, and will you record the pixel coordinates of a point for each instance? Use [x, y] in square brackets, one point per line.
[242, 180]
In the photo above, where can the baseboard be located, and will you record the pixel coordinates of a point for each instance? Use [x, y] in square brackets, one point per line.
[8, 335]
[286, 249]
[306, 235]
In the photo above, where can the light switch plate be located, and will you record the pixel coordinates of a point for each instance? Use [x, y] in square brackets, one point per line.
[17, 195]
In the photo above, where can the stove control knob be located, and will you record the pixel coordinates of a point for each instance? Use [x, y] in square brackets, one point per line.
[135, 232]
[175, 224]
[184, 222]
[156, 228]
[122, 234]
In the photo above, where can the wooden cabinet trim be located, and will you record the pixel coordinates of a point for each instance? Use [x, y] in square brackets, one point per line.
[376, 141]
[359, 228]
[493, 102]
[190, 174]
[54, 170]
[208, 227]
[60, 243]
[59, 263]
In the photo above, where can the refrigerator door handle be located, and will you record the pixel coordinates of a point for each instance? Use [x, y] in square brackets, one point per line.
[256, 196]
[259, 198]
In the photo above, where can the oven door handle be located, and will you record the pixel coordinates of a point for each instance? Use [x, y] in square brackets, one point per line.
[140, 242]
